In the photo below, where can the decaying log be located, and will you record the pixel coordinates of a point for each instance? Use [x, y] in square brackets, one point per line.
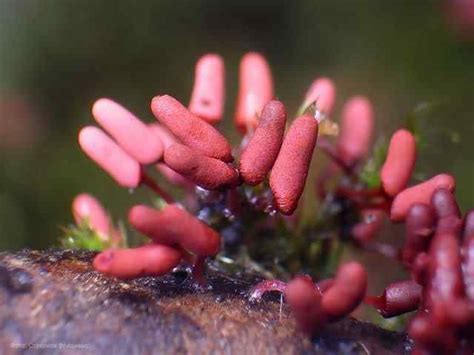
[53, 302]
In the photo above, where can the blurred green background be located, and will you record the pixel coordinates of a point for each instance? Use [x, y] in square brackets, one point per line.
[58, 56]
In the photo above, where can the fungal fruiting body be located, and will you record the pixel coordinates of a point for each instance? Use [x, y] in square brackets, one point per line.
[347, 292]
[231, 208]
[147, 260]
[206, 172]
[86, 208]
[131, 134]
[207, 98]
[322, 93]
[190, 129]
[255, 90]
[110, 157]
[356, 130]
[420, 193]
[173, 225]
[289, 173]
[398, 166]
[261, 151]
[305, 301]
[398, 298]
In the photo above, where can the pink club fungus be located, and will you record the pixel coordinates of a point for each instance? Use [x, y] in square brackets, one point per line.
[420, 193]
[130, 133]
[356, 130]
[255, 90]
[207, 99]
[322, 92]
[110, 157]
[398, 166]
[86, 208]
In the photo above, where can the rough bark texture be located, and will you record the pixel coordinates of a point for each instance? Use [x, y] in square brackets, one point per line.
[53, 302]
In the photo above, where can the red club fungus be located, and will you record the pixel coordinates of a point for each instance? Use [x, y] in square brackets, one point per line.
[206, 172]
[147, 260]
[190, 129]
[289, 173]
[260, 153]
[173, 225]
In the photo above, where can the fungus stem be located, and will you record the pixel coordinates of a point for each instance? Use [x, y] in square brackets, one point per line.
[152, 185]
[332, 153]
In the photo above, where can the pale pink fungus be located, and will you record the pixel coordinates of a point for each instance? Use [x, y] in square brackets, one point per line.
[323, 92]
[255, 90]
[356, 130]
[207, 99]
[110, 157]
[86, 208]
[420, 193]
[131, 133]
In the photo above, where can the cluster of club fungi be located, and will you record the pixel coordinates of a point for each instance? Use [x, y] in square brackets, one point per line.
[263, 187]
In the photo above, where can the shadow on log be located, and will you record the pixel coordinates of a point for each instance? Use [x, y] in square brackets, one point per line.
[53, 302]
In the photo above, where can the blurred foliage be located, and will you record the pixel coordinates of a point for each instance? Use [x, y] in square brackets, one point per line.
[82, 237]
[57, 56]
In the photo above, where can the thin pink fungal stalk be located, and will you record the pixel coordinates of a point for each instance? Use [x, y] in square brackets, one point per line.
[174, 177]
[207, 99]
[265, 286]
[87, 209]
[322, 92]
[357, 127]
[255, 90]
[372, 221]
[115, 161]
[128, 131]
[148, 260]
[152, 185]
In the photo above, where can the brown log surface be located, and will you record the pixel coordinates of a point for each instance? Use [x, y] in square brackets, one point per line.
[53, 302]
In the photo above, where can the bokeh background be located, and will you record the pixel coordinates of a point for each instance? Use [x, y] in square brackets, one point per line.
[58, 56]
